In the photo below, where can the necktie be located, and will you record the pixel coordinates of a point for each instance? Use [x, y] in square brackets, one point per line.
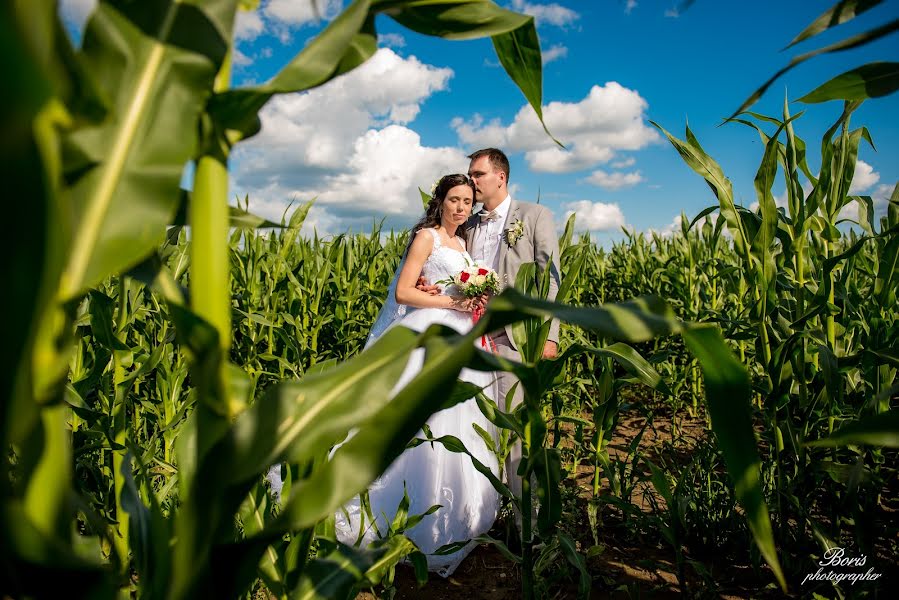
[488, 216]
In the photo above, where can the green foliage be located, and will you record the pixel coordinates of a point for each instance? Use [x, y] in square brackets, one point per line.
[150, 380]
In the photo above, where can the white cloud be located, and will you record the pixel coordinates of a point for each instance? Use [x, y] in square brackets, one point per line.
[346, 143]
[614, 181]
[76, 12]
[624, 163]
[301, 12]
[594, 216]
[668, 230]
[609, 119]
[552, 14]
[387, 167]
[630, 6]
[394, 40]
[673, 13]
[674, 227]
[241, 59]
[880, 197]
[864, 178]
[554, 53]
[248, 25]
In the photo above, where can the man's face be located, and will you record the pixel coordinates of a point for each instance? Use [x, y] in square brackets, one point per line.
[487, 181]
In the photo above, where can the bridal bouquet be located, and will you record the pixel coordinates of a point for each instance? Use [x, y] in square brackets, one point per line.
[473, 281]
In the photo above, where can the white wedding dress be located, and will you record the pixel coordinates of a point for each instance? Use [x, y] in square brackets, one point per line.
[434, 475]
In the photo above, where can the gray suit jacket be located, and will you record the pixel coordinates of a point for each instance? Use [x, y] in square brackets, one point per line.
[538, 244]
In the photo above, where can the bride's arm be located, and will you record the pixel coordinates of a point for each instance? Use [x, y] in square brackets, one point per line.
[407, 294]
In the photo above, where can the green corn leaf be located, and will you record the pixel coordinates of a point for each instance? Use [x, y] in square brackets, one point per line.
[454, 444]
[660, 483]
[547, 469]
[149, 534]
[503, 549]
[839, 13]
[884, 288]
[335, 575]
[873, 430]
[278, 426]
[872, 80]
[519, 53]
[706, 167]
[634, 364]
[855, 41]
[396, 548]
[496, 416]
[299, 215]
[636, 320]
[576, 559]
[383, 423]
[727, 394]
[156, 62]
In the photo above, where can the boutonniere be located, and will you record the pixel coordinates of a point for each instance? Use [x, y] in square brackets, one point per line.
[513, 232]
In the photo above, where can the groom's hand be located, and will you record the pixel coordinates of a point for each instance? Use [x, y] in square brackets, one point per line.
[424, 287]
[481, 301]
[550, 350]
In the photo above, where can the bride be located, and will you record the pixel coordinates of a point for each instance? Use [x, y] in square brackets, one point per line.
[428, 473]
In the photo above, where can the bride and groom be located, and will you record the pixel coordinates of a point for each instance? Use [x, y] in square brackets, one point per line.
[504, 235]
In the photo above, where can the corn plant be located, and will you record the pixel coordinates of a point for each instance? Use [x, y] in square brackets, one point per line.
[99, 139]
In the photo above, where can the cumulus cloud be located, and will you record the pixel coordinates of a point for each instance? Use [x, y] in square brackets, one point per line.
[608, 119]
[614, 181]
[76, 12]
[347, 144]
[668, 230]
[550, 14]
[880, 197]
[394, 40]
[594, 216]
[863, 179]
[241, 59]
[292, 12]
[248, 25]
[624, 163]
[674, 227]
[554, 53]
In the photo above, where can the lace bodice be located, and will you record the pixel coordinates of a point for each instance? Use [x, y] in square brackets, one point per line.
[444, 262]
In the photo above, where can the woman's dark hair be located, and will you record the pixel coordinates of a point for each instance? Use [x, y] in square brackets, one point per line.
[435, 204]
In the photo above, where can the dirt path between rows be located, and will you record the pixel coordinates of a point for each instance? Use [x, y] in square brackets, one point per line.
[621, 566]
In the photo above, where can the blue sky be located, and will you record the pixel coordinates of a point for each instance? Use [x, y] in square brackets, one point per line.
[363, 144]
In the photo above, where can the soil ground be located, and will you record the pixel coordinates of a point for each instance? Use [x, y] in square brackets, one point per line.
[630, 561]
[620, 570]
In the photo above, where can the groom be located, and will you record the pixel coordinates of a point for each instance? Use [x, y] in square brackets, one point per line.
[504, 235]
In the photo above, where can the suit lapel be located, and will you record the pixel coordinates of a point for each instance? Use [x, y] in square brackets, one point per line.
[503, 246]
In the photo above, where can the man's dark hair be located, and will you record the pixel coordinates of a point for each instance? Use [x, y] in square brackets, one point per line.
[498, 159]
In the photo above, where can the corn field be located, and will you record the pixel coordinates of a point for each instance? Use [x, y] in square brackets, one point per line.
[153, 377]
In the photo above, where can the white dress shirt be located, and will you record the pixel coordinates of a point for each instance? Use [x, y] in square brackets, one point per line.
[487, 236]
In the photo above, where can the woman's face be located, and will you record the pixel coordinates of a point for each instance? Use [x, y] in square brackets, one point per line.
[457, 205]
